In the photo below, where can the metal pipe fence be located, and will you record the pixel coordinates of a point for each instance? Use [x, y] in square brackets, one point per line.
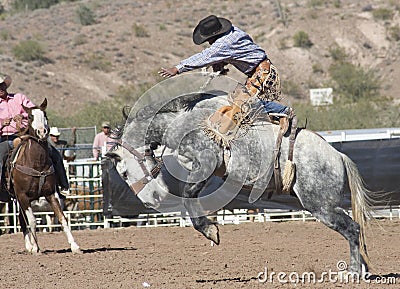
[84, 208]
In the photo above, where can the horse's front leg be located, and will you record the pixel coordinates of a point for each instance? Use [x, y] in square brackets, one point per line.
[28, 226]
[197, 214]
[61, 217]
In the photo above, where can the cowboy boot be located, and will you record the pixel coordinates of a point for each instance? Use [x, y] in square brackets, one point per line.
[284, 121]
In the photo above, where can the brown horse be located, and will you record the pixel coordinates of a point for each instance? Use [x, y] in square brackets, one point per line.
[33, 176]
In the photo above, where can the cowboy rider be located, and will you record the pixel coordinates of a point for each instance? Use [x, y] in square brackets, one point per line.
[13, 117]
[231, 45]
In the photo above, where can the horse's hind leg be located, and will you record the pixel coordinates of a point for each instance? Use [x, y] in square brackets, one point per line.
[339, 221]
[60, 215]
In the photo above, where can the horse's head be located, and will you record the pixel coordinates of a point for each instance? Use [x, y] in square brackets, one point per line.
[145, 176]
[37, 121]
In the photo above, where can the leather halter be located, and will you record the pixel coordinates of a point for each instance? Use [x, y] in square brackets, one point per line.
[148, 176]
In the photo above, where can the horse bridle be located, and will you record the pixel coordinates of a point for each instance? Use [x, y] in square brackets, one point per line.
[148, 175]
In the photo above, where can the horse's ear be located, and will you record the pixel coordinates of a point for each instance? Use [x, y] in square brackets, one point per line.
[27, 109]
[43, 106]
[125, 111]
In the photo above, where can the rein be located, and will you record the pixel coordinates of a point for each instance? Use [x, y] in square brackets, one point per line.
[148, 176]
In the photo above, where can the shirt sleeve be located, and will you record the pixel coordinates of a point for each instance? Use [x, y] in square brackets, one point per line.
[217, 52]
[96, 146]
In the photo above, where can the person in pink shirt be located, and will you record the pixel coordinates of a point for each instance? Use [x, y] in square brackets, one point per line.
[13, 118]
[12, 113]
[102, 139]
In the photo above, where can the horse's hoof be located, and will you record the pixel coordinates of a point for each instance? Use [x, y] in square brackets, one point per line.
[75, 249]
[33, 252]
[212, 233]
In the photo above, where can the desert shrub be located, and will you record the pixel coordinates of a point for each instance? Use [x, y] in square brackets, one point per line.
[291, 88]
[29, 50]
[382, 14]
[313, 14]
[315, 3]
[97, 61]
[317, 68]
[337, 53]
[301, 39]
[337, 3]
[21, 5]
[129, 93]
[353, 82]
[4, 35]
[394, 33]
[140, 31]
[79, 40]
[85, 15]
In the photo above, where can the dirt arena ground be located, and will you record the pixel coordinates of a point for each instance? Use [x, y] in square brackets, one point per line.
[174, 258]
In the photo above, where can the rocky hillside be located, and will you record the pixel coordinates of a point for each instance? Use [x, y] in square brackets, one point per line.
[131, 40]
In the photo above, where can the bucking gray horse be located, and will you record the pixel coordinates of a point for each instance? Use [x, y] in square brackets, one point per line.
[324, 178]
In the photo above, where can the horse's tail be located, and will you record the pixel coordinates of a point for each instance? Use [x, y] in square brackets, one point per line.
[361, 201]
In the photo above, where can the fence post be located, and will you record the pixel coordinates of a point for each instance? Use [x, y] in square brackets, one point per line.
[106, 225]
[15, 216]
[261, 218]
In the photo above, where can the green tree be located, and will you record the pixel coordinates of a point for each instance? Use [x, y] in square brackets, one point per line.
[353, 82]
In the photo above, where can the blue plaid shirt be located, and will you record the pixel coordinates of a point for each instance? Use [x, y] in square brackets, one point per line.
[235, 47]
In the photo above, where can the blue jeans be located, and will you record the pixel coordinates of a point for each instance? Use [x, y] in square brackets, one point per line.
[5, 147]
[273, 107]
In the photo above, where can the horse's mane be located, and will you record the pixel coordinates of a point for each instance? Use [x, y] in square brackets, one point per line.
[182, 102]
[151, 120]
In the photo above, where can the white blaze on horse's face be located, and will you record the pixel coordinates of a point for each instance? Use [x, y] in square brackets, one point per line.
[39, 123]
[155, 191]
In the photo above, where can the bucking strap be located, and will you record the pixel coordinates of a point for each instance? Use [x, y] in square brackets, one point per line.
[290, 166]
[292, 137]
[277, 170]
[284, 187]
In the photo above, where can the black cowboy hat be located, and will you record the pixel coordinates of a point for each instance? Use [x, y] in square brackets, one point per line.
[209, 27]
